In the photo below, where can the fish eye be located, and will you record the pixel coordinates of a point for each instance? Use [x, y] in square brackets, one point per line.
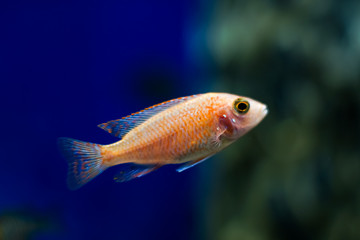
[241, 106]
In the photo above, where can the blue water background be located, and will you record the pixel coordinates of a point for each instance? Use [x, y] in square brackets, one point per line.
[67, 66]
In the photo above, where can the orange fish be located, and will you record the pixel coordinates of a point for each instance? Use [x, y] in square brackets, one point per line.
[185, 130]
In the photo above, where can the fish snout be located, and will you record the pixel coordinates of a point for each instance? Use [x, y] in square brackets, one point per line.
[260, 114]
[265, 110]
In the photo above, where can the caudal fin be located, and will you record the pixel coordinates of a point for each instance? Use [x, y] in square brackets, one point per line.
[84, 160]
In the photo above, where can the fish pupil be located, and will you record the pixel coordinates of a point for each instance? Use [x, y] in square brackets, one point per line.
[242, 106]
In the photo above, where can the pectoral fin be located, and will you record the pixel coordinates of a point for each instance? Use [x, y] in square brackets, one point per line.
[191, 164]
[216, 142]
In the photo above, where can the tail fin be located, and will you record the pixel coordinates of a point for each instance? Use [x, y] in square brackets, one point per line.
[84, 159]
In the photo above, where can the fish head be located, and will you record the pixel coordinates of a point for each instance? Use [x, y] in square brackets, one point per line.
[239, 115]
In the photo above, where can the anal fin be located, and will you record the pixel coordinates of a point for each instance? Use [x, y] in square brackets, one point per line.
[191, 164]
[132, 171]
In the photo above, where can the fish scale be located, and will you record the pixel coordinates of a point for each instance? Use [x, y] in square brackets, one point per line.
[176, 120]
[184, 130]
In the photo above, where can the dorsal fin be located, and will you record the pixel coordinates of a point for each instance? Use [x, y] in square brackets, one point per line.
[120, 127]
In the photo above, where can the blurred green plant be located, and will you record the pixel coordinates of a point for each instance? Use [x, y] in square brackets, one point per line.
[297, 175]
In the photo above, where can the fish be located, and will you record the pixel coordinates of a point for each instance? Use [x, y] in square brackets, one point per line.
[184, 131]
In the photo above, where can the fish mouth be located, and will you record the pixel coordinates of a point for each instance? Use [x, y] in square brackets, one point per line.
[265, 110]
[262, 113]
[259, 116]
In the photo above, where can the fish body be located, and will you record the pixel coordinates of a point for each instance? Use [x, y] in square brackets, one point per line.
[184, 130]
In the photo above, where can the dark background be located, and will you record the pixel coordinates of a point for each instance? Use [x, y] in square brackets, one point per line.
[66, 66]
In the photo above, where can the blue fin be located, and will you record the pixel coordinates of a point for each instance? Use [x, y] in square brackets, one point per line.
[120, 127]
[132, 171]
[191, 164]
[84, 161]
